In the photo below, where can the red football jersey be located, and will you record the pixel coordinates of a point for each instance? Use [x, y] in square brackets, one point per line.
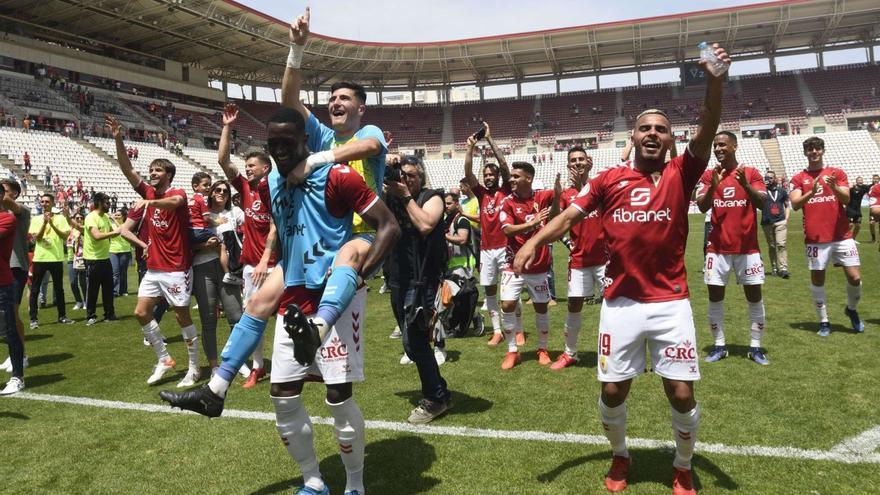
[169, 248]
[874, 196]
[517, 211]
[587, 237]
[734, 218]
[825, 217]
[646, 227]
[198, 207]
[7, 238]
[257, 208]
[492, 237]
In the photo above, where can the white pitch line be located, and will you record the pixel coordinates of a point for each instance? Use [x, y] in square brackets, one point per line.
[837, 454]
[866, 442]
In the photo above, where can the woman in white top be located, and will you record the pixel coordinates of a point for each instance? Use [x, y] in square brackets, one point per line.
[208, 286]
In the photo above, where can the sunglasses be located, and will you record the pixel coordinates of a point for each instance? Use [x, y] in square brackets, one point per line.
[221, 190]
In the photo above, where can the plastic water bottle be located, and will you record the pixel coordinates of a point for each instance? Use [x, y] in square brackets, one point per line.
[707, 53]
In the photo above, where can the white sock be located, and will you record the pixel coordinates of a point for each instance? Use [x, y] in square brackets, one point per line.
[853, 295]
[192, 350]
[572, 330]
[508, 320]
[819, 299]
[295, 428]
[494, 312]
[756, 316]
[218, 385]
[519, 323]
[614, 423]
[542, 325]
[349, 425]
[716, 321]
[684, 427]
[154, 337]
[257, 355]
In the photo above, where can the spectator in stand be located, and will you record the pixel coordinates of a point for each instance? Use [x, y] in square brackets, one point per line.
[47, 177]
[24, 185]
[27, 162]
[26, 123]
[114, 199]
[79, 185]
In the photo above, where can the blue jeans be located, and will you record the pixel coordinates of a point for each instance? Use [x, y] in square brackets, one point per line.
[416, 338]
[10, 331]
[120, 262]
[78, 283]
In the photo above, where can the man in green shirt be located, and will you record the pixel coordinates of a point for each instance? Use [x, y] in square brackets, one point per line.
[50, 231]
[120, 257]
[98, 230]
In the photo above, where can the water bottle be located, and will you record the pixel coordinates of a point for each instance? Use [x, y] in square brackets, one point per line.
[707, 53]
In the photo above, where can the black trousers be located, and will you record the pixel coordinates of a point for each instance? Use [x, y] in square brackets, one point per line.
[56, 269]
[100, 277]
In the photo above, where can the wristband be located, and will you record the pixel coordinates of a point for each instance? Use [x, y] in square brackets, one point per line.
[316, 160]
[295, 57]
[407, 199]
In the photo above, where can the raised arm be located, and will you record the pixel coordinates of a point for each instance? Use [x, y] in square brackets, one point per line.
[469, 176]
[291, 83]
[710, 113]
[499, 156]
[557, 193]
[230, 115]
[121, 155]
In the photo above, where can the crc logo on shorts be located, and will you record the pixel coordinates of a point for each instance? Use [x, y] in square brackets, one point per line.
[685, 352]
[334, 350]
[175, 289]
[640, 196]
[728, 192]
[754, 270]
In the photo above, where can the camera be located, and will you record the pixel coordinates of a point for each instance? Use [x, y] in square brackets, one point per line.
[392, 172]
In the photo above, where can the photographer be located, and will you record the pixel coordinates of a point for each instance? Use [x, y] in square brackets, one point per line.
[774, 220]
[413, 273]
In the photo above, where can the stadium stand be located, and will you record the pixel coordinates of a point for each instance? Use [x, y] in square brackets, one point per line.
[66, 158]
[208, 160]
[147, 153]
[843, 89]
[854, 152]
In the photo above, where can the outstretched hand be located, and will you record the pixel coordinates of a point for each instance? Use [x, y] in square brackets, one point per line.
[299, 28]
[113, 123]
[230, 114]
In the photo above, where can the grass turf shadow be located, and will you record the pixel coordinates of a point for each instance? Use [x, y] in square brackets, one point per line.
[410, 451]
[48, 359]
[813, 326]
[461, 403]
[653, 465]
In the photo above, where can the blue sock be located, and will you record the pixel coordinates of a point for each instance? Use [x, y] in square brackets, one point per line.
[242, 342]
[338, 293]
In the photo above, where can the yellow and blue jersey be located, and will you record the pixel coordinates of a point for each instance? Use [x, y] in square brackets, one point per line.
[372, 169]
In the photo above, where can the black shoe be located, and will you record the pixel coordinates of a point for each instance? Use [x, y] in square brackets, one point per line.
[784, 274]
[201, 400]
[65, 320]
[111, 318]
[304, 334]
